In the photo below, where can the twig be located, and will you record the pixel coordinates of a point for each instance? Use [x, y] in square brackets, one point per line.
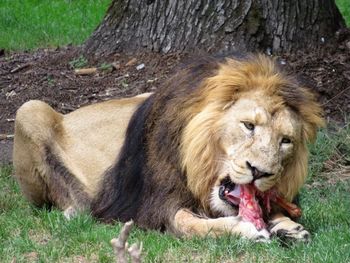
[131, 62]
[85, 71]
[121, 247]
[18, 68]
[6, 136]
[68, 77]
[335, 96]
[67, 107]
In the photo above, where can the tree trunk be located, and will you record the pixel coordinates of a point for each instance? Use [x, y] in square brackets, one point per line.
[215, 25]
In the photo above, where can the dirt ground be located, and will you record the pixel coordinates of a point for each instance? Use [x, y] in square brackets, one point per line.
[48, 75]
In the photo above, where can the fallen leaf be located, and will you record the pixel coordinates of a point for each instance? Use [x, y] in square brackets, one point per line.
[131, 62]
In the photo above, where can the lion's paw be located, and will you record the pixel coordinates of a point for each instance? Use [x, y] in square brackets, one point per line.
[287, 230]
[262, 236]
[249, 231]
[70, 213]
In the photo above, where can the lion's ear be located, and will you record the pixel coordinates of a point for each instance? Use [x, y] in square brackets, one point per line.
[312, 115]
[304, 101]
[295, 173]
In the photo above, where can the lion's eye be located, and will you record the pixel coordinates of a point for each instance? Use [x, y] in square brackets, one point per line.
[250, 126]
[286, 140]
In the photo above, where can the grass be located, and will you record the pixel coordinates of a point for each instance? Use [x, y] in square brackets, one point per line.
[25, 25]
[344, 7]
[330, 151]
[28, 233]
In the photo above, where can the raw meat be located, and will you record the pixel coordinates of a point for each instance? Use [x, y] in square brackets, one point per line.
[250, 209]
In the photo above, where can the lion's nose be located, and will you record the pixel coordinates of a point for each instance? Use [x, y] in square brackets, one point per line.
[257, 174]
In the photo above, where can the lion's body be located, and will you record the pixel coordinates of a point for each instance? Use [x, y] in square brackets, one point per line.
[161, 159]
[87, 142]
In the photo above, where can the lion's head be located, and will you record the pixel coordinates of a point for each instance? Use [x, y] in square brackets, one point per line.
[250, 123]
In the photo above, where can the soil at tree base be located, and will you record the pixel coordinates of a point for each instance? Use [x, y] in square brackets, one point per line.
[48, 75]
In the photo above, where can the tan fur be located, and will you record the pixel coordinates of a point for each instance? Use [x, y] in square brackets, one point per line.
[86, 154]
[189, 224]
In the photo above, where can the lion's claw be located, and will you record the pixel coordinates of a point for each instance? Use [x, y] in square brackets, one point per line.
[287, 230]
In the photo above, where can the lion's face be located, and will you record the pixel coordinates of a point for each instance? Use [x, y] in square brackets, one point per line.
[248, 123]
[257, 137]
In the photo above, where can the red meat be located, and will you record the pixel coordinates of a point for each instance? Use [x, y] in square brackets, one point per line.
[250, 209]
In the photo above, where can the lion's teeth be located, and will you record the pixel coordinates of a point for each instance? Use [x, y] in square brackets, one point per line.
[236, 191]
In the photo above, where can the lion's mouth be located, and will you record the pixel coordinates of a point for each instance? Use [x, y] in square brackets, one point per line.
[250, 201]
[246, 197]
[230, 192]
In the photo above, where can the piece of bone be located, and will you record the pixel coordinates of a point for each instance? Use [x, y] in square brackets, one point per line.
[121, 247]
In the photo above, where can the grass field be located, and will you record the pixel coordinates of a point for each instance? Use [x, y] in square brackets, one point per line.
[36, 23]
[344, 7]
[28, 233]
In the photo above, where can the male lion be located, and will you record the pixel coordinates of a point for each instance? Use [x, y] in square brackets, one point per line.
[164, 159]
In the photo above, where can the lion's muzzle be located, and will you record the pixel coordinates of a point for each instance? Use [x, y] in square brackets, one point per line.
[257, 174]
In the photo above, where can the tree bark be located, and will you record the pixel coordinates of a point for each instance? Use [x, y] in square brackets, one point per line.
[215, 25]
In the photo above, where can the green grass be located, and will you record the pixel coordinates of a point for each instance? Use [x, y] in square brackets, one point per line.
[36, 23]
[344, 7]
[25, 229]
[332, 146]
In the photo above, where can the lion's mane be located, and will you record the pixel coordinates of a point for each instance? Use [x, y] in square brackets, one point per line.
[168, 160]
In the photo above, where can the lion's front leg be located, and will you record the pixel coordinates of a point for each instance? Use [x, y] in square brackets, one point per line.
[286, 229]
[189, 224]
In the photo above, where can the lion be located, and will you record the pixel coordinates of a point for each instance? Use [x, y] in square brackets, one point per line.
[162, 159]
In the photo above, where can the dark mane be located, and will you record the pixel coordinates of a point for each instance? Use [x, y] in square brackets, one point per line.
[146, 183]
[123, 183]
